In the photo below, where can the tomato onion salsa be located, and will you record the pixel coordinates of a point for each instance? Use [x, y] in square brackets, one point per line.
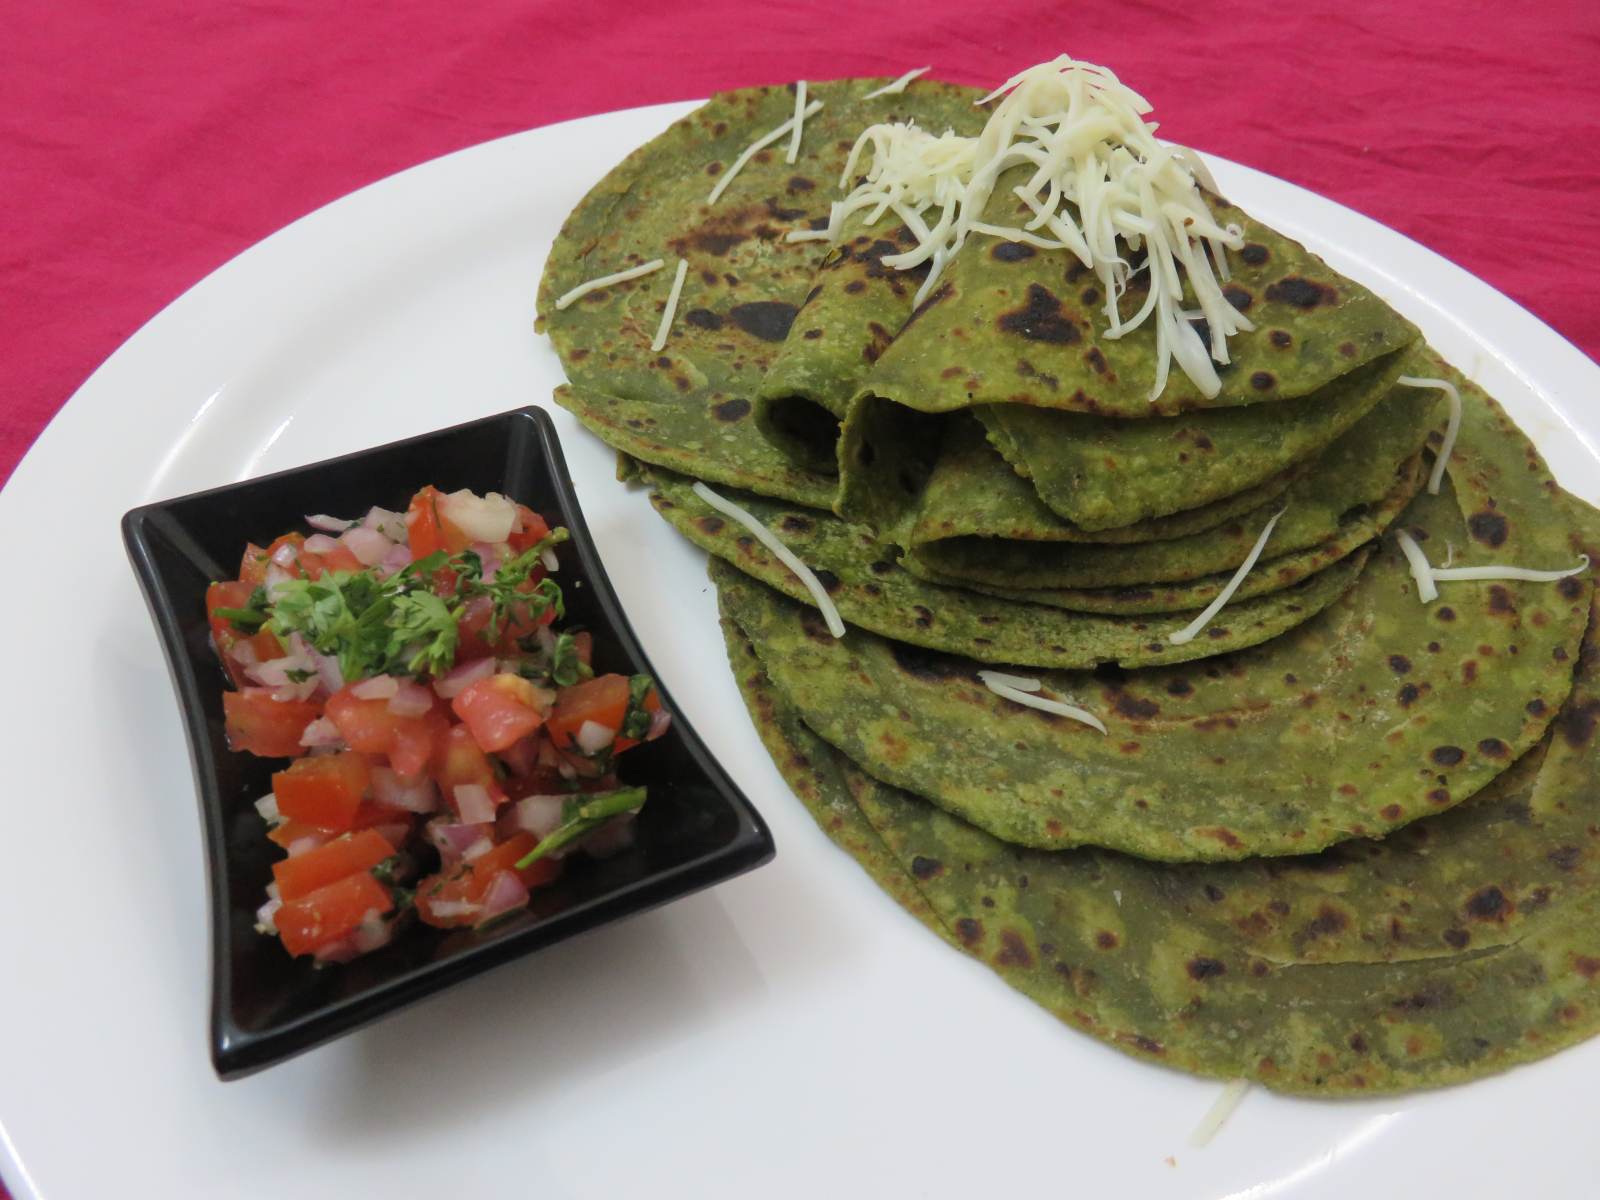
[450, 743]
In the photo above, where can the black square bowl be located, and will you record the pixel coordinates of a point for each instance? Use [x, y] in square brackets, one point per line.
[695, 830]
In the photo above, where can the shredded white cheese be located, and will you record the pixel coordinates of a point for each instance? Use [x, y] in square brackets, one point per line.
[756, 147]
[1427, 575]
[672, 306]
[1447, 574]
[995, 681]
[787, 557]
[799, 121]
[1452, 426]
[1420, 570]
[898, 86]
[1232, 1092]
[807, 235]
[1102, 186]
[594, 285]
[1022, 683]
[1188, 632]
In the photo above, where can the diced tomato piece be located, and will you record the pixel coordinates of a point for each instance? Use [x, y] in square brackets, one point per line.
[471, 882]
[603, 700]
[534, 530]
[501, 710]
[369, 726]
[253, 565]
[428, 530]
[305, 873]
[583, 647]
[330, 912]
[258, 724]
[287, 833]
[340, 558]
[461, 761]
[225, 637]
[297, 540]
[324, 791]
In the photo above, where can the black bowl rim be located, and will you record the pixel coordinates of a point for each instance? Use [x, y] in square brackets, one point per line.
[235, 1052]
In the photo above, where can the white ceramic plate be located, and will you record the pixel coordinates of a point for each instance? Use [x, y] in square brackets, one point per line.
[791, 1033]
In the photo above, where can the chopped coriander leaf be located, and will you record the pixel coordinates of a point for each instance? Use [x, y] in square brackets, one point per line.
[252, 616]
[387, 871]
[581, 816]
[566, 668]
[636, 720]
[423, 634]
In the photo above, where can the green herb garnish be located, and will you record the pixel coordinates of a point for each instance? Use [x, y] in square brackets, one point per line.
[581, 816]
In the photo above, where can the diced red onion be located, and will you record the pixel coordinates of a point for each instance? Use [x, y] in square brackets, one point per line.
[506, 892]
[482, 518]
[660, 722]
[615, 836]
[321, 543]
[244, 654]
[490, 556]
[548, 557]
[456, 681]
[522, 757]
[265, 913]
[267, 806]
[391, 524]
[393, 791]
[546, 639]
[327, 524]
[327, 667]
[473, 803]
[368, 545]
[321, 732]
[307, 842]
[378, 687]
[373, 933]
[453, 840]
[275, 580]
[539, 815]
[398, 559]
[593, 737]
[447, 910]
[410, 699]
[286, 555]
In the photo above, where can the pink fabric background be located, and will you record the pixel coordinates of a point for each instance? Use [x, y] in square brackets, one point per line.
[143, 145]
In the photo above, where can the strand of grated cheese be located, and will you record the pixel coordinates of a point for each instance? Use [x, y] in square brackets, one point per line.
[1188, 632]
[807, 235]
[799, 121]
[1232, 1092]
[1102, 183]
[1452, 426]
[1420, 570]
[995, 682]
[1528, 574]
[787, 557]
[756, 147]
[1022, 683]
[594, 285]
[672, 306]
[898, 86]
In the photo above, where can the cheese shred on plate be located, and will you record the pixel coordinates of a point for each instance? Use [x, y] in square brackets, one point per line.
[672, 306]
[1232, 1092]
[1429, 576]
[898, 86]
[594, 285]
[1019, 690]
[767, 538]
[799, 122]
[1188, 632]
[1097, 182]
[1452, 427]
[756, 147]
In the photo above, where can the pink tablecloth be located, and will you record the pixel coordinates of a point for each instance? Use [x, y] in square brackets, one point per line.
[142, 145]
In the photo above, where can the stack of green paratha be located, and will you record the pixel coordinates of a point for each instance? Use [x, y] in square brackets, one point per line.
[1341, 839]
